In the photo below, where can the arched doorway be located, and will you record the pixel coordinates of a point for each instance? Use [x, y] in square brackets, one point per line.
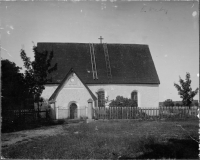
[73, 111]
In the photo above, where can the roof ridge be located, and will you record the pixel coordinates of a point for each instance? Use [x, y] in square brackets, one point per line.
[90, 43]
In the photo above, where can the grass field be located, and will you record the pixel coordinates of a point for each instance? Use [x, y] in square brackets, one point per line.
[114, 139]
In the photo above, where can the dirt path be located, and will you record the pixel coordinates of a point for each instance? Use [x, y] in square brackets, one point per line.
[28, 135]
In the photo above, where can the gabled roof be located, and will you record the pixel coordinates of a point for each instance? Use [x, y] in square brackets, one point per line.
[130, 63]
[56, 92]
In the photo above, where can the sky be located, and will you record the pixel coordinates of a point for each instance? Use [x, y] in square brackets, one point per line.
[170, 29]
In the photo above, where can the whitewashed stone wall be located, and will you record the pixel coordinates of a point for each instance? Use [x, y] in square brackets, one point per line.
[148, 95]
[73, 91]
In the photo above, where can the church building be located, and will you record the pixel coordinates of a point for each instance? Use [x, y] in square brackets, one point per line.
[88, 74]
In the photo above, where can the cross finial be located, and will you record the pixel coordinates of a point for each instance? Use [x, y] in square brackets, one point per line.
[100, 39]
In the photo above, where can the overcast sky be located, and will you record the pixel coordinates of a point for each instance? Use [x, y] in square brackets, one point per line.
[171, 29]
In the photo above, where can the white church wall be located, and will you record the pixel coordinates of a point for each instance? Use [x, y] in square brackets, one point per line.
[148, 95]
[73, 91]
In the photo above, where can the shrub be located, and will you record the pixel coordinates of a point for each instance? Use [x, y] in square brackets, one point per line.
[120, 101]
[83, 118]
[168, 102]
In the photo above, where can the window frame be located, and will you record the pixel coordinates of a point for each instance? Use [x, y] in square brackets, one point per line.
[135, 96]
[101, 101]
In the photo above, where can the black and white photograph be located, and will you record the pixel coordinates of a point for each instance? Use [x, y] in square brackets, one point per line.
[102, 79]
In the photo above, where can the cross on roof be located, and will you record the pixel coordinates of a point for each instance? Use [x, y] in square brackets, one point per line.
[100, 39]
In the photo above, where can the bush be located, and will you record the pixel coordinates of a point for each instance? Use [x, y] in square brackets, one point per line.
[120, 101]
[168, 102]
[83, 118]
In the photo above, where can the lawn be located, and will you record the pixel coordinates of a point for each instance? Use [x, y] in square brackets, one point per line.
[113, 139]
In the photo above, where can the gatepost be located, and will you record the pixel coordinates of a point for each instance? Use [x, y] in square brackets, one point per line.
[90, 110]
[53, 110]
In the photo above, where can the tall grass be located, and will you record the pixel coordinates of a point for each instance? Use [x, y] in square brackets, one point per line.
[110, 140]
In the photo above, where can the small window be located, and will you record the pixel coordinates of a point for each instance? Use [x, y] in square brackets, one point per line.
[101, 98]
[134, 96]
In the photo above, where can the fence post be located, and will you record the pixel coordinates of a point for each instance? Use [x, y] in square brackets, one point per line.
[104, 115]
[56, 112]
[97, 113]
[132, 116]
[46, 114]
[122, 113]
[127, 111]
[117, 111]
[109, 113]
[100, 117]
[100, 112]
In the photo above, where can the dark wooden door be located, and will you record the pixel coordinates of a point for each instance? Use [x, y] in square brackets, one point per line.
[73, 111]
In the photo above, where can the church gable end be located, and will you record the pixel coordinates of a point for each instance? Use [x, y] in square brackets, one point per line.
[73, 82]
[70, 82]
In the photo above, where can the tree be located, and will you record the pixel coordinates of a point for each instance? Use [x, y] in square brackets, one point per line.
[196, 104]
[120, 101]
[185, 90]
[177, 104]
[37, 71]
[13, 89]
[168, 102]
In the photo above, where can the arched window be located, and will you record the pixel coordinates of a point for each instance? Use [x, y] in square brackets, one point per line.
[101, 98]
[134, 96]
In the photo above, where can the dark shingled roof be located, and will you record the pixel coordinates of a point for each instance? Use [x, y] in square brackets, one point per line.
[130, 63]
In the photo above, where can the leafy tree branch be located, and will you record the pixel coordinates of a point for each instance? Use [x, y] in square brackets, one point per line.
[185, 90]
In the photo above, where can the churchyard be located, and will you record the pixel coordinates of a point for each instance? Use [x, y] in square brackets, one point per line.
[106, 139]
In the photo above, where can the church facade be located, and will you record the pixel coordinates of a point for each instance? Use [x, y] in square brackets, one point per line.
[88, 74]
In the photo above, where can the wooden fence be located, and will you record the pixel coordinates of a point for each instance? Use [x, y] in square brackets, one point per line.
[145, 113]
[65, 113]
[13, 103]
[23, 116]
